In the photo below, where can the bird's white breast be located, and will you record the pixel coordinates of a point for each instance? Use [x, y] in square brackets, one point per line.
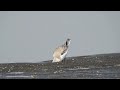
[63, 56]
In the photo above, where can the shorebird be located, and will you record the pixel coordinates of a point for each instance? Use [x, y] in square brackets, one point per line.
[61, 51]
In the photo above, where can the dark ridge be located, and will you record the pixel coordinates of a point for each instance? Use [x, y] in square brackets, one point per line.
[105, 66]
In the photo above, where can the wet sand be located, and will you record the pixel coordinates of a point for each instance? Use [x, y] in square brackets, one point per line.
[101, 66]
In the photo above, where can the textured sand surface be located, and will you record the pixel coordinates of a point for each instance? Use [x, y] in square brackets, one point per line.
[102, 66]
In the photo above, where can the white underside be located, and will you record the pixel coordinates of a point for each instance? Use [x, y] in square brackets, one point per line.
[64, 55]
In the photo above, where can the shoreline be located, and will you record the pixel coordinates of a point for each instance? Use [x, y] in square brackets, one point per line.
[100, 66]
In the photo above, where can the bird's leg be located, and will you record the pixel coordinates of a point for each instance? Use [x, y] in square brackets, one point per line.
[64, 60]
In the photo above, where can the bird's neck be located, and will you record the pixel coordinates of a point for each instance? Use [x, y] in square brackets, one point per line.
[67, 43]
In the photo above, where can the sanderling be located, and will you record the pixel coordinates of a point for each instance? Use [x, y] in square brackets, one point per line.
[61, 51]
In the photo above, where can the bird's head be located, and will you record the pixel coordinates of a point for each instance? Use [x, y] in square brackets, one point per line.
[68, 42]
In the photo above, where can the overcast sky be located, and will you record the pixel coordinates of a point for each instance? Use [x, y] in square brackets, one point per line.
[32, 36]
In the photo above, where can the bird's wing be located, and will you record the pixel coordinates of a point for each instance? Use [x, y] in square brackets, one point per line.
[61, 49]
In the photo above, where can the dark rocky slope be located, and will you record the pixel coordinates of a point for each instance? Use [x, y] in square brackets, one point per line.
[101, 66]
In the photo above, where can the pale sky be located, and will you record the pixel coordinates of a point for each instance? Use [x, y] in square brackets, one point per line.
[32, 36]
